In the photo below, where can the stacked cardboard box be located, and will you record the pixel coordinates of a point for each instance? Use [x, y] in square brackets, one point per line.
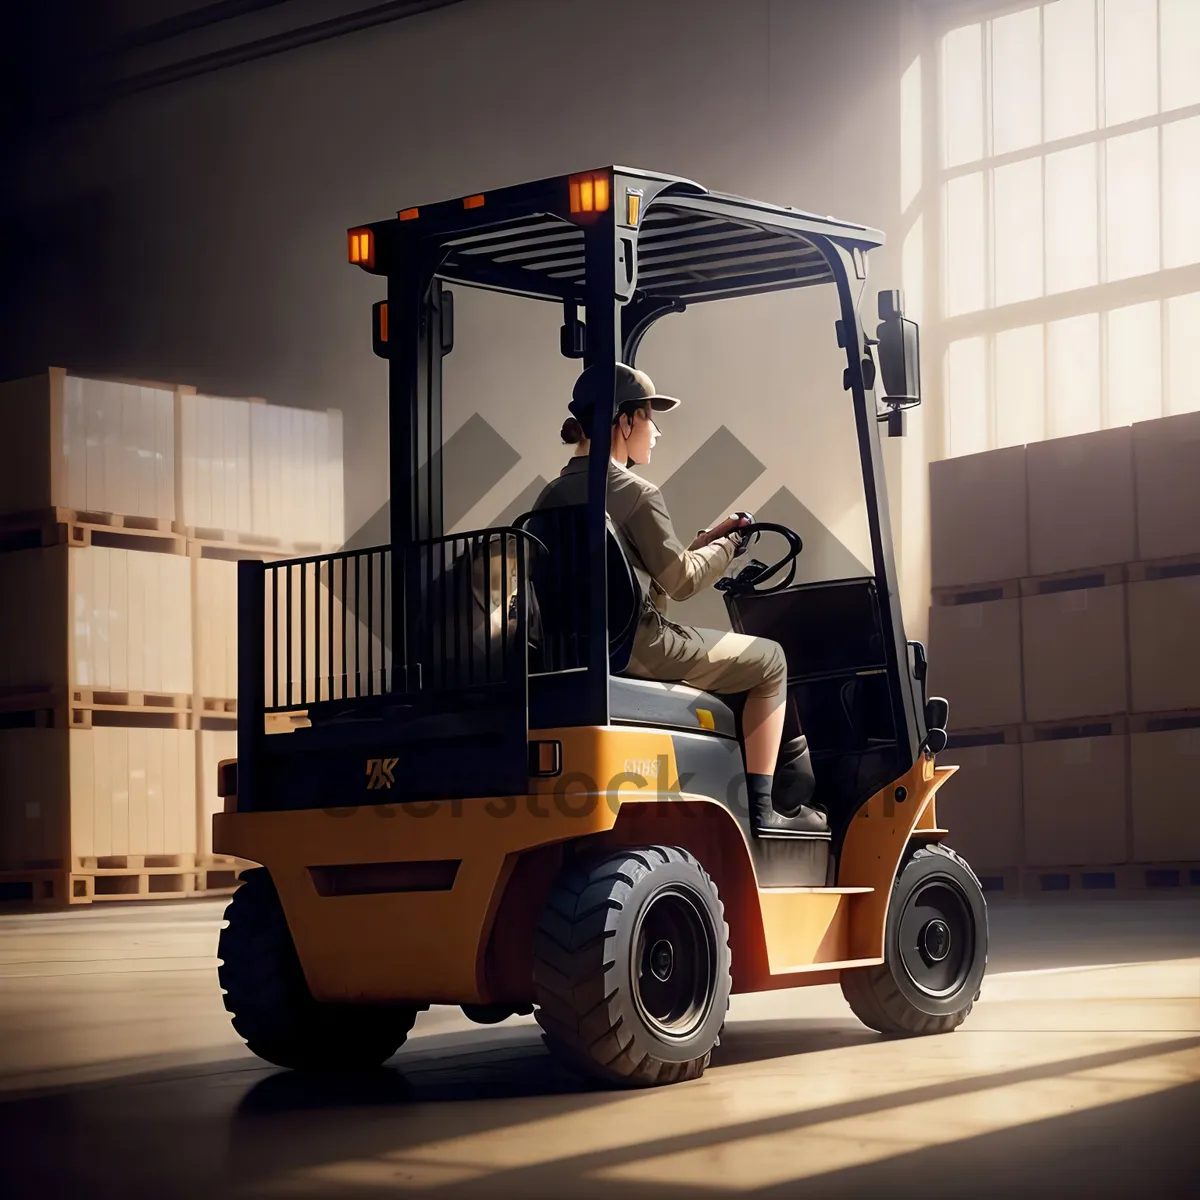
[123, 509]
[1164, 642]
[1082, 662]
[82, 620]
[93, 446]
[261, 474]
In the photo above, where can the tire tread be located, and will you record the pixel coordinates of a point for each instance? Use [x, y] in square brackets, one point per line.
[591, 1034]
[268, 999]
[875, 997]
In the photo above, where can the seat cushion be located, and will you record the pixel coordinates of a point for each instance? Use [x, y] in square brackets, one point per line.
[648, 702]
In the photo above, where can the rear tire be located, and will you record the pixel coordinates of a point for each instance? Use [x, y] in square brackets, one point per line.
[631, 967]
[935, 949]
[272, 1008]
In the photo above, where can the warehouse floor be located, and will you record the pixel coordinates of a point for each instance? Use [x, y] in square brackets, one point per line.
[1078, 1073]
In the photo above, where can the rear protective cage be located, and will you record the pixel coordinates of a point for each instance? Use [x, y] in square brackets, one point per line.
[329, 621]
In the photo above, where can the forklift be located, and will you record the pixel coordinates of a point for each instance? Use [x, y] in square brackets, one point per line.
[458, 797]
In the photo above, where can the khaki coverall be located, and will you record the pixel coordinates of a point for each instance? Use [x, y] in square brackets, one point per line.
[707, 659]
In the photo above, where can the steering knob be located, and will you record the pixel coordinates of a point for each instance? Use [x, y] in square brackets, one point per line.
[743, 541]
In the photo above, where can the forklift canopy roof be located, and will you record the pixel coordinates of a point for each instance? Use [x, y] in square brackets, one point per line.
[692, 244]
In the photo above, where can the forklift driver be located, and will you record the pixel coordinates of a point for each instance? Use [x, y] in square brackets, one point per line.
[707, 659]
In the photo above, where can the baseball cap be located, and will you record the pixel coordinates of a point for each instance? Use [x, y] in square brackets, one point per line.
[633, 389]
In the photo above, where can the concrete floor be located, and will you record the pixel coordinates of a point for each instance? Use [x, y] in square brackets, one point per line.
[1077, 1074]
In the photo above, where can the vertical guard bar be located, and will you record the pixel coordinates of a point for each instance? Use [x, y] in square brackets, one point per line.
[252, 684]
[603, 332]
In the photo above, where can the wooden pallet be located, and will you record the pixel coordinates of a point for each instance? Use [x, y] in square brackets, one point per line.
[86, 707]
[102, 864]
[1165, 877]
[964, 739]
[1065, 581]
[999, 881]
[1164, 568]
[1074, 581]
[1038, 881]
[227, 537]
[76, 527]
[33, 889]
[220, 878]
[217, 706]
[165, 883]
[208, 542]
[1076, 727]
[41, 889]
[1164, 722]
[1122, 877]
[203, 548]
[976, 593]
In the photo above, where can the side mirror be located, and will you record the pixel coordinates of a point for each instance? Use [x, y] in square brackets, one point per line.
[899, 351]
[937, 717]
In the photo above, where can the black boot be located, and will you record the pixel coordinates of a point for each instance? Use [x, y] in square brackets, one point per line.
[795, 784]
[769, 823]
[766, 821]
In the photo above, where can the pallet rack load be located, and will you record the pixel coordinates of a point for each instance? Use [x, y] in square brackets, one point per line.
[124, 508]
[89, 628]
[96, 814]
[1107, 656]
[259, 475]
[92, 446]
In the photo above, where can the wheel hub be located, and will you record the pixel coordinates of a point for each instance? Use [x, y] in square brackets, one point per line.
[674, 959]
[662, 960]
[935, 940]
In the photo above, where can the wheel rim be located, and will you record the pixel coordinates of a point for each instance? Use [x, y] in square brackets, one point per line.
[673, 967]
[937, 938]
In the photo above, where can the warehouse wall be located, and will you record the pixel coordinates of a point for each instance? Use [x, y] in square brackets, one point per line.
[196, 232]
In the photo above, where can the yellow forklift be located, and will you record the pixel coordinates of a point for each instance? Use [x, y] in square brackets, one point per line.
[458, 797]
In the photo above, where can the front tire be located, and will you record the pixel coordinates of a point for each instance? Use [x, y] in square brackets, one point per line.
[935, 949]
[272, 1008]
[631, 967]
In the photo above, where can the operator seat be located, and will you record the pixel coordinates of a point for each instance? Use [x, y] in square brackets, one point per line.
[559, 580]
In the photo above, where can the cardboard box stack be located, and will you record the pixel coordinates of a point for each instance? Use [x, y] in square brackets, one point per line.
[123, 509]
[1065, 632]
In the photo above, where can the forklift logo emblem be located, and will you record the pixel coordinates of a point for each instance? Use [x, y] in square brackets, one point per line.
[380, 773]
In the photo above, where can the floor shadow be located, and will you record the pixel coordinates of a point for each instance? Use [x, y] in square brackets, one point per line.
[757, 1041]
[242, 1133]
[1141, 1147]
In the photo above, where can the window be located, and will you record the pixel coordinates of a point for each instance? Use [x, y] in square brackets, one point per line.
[1067, 140]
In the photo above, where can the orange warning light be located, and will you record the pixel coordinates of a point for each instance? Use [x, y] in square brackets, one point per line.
[589, 193]
[362, 247]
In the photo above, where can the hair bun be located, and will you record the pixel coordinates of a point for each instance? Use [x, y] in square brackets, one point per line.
[572, 432]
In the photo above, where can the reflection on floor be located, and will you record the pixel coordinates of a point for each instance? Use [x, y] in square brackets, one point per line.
[1078, 1072]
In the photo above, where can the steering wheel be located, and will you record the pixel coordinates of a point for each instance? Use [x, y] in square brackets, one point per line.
[755, 576]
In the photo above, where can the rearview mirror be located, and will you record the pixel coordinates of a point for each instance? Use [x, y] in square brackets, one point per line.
[899, 350]
[937, 713]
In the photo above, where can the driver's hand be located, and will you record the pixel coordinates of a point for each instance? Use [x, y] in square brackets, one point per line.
[725, 528]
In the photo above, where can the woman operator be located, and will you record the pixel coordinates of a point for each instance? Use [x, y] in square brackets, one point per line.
[708, 659]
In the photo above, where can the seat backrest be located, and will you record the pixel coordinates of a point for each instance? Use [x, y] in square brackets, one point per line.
[560, 583]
